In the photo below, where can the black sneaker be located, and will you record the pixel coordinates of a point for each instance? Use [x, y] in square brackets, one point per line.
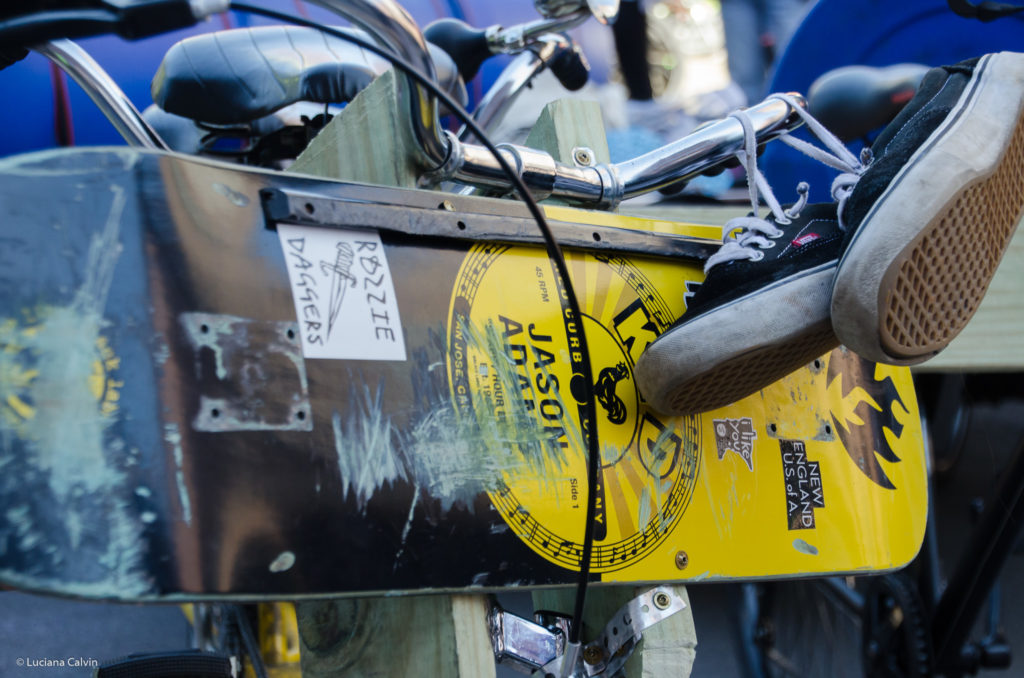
[752, 321]
[930, 219]
[763, 309]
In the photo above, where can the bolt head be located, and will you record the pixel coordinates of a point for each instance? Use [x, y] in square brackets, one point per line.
[662, 601]
[682, 560]
[582, 157]
[593, 654]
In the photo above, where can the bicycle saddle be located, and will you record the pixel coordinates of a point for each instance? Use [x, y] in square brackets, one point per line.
[854, 100]
[239, 75]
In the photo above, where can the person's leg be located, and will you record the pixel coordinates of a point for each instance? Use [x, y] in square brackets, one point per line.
[743, 46]
[630, 31]
[780, 19]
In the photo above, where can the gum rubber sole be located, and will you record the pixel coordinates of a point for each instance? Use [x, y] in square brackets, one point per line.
[737, 349]
[936, 284]
[746, 374]
[924, 256]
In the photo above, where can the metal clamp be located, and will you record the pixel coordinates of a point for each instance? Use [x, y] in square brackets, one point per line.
[526, 646]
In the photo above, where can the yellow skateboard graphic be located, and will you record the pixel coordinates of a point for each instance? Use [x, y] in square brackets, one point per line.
[821, 472]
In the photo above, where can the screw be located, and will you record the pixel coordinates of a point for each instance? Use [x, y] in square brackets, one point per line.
[583, 157]
[662, 601]
[593, 654]
[447, 206]
[682, 560]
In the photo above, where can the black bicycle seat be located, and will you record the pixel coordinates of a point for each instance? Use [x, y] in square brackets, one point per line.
[852, 101]
[235, 76]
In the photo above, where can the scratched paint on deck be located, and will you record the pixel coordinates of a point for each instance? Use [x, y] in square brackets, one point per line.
[447, 457]
[804, 547]
[173, 438]
[60, 394]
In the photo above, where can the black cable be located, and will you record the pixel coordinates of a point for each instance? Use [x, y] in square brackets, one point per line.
[589, 427]
[252, 648]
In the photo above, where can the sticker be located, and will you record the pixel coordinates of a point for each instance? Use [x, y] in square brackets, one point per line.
[514, 354]
[737, 435]
[803, 485]
[344, 296]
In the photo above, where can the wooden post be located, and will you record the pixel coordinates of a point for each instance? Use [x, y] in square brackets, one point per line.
[392, 637]
[436, 635]
[366, 142]
[669, 647]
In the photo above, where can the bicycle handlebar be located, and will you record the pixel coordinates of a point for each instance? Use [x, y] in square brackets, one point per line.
[606, 185]
[131, 20]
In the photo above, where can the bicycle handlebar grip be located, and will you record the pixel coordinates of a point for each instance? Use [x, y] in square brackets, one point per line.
[570, 66]
[851, 101]
[467, 46]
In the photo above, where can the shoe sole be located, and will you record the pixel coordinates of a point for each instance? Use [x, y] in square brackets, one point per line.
[915, 273]
[731, 364]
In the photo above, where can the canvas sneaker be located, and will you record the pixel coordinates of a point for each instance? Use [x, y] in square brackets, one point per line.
[752, 321]
[930, 219]
[763, 308]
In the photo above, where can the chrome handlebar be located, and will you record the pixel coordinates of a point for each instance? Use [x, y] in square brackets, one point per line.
[606, 185]
[515, 39]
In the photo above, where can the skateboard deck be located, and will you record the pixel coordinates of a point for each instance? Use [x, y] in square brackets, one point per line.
[218, 381]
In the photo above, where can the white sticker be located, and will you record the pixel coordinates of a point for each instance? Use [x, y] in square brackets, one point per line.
[344, 297]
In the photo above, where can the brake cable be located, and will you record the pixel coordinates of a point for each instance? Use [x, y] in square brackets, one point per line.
[589, 427]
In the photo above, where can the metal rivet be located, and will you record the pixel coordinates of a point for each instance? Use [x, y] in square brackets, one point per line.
[662, 601]
[593, 654]
[682, 560]
[583, 157]
[447, 205]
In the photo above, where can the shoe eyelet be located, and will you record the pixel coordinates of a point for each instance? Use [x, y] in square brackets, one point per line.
[768, 245]
[758, 255]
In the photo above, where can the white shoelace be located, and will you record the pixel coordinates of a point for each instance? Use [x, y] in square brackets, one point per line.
[757, 234]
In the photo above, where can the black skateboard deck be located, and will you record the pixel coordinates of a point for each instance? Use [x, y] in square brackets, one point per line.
[218, 381]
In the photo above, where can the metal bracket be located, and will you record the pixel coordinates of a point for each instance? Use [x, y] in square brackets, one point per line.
[620, 637]
[467, 218]
[526, 646]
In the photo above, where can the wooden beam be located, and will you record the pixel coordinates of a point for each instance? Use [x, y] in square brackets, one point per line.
[435, 635]
[394, 637]
[366, 142]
